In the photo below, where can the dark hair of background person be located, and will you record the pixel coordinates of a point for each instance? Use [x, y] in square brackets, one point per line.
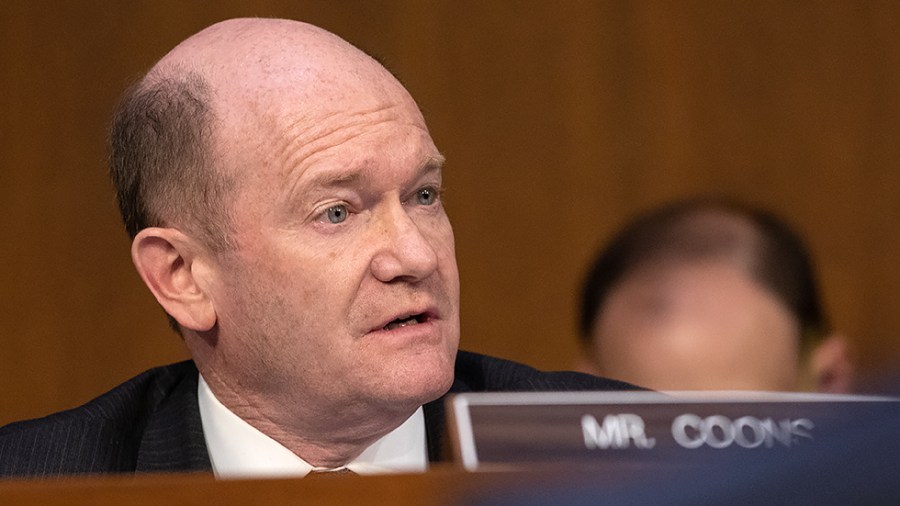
[768, 249]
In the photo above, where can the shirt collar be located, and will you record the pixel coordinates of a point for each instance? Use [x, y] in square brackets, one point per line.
[239, 450]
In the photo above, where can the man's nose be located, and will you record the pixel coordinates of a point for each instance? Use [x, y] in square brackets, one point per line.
[404, 251]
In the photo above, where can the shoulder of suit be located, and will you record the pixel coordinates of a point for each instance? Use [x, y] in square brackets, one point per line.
[482, 373]
[122, 404]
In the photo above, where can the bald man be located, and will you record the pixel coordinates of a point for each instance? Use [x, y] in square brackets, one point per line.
[283, 195]
[710, 294]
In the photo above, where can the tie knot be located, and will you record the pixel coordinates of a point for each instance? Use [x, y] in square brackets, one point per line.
[329, 473]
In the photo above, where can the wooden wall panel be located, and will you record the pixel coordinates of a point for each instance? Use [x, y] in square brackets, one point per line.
[559, 119]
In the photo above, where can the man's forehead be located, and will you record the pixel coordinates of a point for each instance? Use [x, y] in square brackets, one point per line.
[252, 43]
[243, 59]
[274, 80]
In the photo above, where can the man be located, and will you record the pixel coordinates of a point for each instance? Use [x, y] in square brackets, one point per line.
[707, 294]
[283, 196]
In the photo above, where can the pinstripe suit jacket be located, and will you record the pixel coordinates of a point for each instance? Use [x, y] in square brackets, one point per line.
[151, 423]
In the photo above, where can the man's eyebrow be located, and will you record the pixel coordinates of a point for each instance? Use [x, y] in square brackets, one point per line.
[341, 180]
[432, 164]
[334, 180]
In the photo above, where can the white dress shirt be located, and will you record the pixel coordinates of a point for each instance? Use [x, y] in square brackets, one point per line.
[239, 450]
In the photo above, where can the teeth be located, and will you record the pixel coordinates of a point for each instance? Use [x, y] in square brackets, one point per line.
[398, 323]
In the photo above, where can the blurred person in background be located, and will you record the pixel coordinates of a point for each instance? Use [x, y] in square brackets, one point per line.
[709, 294]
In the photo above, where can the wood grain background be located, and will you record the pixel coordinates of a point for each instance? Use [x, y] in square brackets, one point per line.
[560, 120]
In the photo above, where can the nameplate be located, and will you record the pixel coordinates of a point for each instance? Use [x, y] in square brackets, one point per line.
[644, 429]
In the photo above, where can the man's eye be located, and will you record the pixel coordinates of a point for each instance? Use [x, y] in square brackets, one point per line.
[427, 196]
[336, 214]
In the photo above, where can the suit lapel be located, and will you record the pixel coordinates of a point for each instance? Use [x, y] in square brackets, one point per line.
[173, 437]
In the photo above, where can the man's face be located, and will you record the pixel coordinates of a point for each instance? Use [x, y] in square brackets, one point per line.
[697, 326]
[343, 290]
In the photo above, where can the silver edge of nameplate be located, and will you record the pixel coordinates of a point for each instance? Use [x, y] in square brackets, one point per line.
[463, 421]
[695, 397]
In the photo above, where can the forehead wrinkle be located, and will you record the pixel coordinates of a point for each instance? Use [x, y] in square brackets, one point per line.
[294, 151]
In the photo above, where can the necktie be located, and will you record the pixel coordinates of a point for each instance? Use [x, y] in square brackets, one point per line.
[330, 474]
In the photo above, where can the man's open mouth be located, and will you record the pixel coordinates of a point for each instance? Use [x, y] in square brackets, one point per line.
[406, 321]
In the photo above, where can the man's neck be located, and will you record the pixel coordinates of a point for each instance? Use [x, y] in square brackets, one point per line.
[328, 450]
[321, 441]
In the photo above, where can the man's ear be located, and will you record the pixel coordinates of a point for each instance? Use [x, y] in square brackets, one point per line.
[168, 263]
[831, 365]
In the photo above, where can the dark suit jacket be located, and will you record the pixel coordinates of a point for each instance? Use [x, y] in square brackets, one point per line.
[151, 423]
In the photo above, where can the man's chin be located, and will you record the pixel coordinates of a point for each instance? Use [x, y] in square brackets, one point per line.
[413, 379]
[418, 390]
